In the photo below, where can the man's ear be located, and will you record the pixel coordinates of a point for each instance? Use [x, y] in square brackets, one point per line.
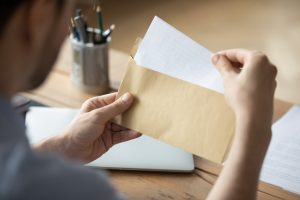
[39, 18]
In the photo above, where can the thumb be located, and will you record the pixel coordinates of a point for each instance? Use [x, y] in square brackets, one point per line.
[117, 107]
[223, 65]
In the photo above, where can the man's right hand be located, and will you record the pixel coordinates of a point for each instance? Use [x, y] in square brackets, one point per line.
[249, 81]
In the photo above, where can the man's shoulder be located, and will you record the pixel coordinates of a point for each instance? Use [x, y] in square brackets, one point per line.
[27, 175]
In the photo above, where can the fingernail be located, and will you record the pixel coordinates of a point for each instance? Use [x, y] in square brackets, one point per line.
[215, 58]
[126, 98]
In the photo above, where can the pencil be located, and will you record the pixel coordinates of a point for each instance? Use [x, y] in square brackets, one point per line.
[100, 19]
[106, 34]
[74, 30]
[80, 26]
[78, 12]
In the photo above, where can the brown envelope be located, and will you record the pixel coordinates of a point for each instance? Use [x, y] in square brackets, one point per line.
[177, 112]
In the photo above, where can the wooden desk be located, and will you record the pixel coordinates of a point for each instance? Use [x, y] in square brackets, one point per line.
[58, 91]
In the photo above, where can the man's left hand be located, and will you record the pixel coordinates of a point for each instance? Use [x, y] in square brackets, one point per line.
[92, 132]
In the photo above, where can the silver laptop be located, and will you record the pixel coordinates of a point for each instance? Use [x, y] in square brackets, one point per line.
[144, 153]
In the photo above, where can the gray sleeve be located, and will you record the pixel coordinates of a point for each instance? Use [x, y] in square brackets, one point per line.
[34, 176]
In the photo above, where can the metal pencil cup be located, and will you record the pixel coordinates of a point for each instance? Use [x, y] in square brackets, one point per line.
[90, 67]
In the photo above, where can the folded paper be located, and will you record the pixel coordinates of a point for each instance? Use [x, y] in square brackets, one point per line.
[166, 50]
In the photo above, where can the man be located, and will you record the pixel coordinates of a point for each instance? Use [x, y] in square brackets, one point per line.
[31, 32]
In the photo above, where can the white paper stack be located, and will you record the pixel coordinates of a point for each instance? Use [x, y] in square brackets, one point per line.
[282, 163]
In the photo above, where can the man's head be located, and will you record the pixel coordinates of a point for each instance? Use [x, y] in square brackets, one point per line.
[31, 33]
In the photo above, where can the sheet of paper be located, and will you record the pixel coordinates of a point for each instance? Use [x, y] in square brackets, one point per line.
[168, 51]
[282, 164]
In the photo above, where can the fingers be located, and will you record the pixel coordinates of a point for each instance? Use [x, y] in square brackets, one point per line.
[223, 65]
[114, 134]
[240, 58]
[115, 108]
[98, 102]
[237, 55]
[115, 127]
[124, 136]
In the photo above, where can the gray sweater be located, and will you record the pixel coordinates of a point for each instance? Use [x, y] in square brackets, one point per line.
[25, 174]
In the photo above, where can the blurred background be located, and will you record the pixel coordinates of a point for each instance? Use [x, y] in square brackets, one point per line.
[271, 26]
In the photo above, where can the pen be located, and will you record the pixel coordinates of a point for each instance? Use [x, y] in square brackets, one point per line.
[74, 30]
[78, 13]
[106, 34]
[80, 30]
[98, 37]
[90, 32]
[94, 35]
[80, 27]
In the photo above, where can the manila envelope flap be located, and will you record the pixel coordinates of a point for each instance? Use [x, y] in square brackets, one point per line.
[185, 115]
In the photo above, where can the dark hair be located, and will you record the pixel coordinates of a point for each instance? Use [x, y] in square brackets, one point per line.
[8, 8]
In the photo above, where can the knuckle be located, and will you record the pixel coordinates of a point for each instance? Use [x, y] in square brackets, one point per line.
[86, 103]
[86, 106]
[274, 70]
[100, 115]
[89, 104]
[98, 112]
[260, 56]
[97, 115]
[257, 52]
[252, 56]
[261, 61]
[119, 104]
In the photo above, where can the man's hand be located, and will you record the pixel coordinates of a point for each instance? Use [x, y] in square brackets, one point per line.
[92, 133]
[249, 81]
